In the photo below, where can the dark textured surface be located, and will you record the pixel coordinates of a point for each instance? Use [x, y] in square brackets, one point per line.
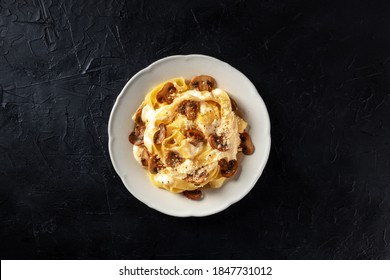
[322, 70]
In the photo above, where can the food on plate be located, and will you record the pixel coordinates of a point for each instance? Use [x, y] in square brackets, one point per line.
[188, 135]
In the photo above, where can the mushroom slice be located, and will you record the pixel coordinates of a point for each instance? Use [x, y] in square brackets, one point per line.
[198, 177]
[160, 135]
[139, 130]
[233, 104]
[203, 82]
[246, 144]
[154, 164]
[217, 142]
[167, 93]
[135, 139]
[173, 159]
[195, 136]
[137, 136]
[228, 168]
[138, 116]
[194, 195]
[145, 157]
[189, 108]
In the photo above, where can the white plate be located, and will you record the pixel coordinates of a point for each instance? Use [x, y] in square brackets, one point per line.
[135, 177]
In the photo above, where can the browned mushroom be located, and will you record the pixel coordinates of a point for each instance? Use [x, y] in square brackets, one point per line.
[194, 195]
[135, 139]
[137, 136]
[217, 142]
[154, 164]
[246, 144]
[173, 159]
[195, 136]
[199, 177]
[203, 82]
[138, 116]
[167, 93]
[233, 104]
[228, 168]
[160, 135]
[145, 157]
[139, 129]
[189, 108]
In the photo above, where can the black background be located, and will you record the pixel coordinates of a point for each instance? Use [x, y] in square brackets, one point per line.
[321, 68]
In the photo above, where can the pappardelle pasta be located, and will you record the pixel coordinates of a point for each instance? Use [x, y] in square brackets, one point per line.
[188, 135]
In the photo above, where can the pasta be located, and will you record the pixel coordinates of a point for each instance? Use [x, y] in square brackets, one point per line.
[188, 134]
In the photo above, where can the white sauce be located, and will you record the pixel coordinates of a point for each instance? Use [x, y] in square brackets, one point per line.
[163, 179]
[137, 151]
